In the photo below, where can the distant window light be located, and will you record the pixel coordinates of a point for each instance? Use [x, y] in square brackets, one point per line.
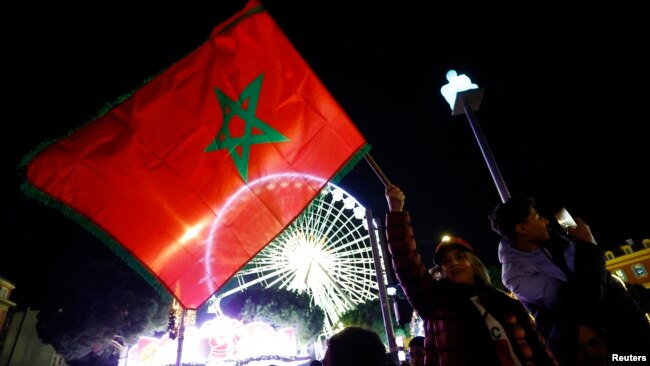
[391, 291]
[645, 243]
[627, 249]
[639, 270]
[620, 274]
[57, 360]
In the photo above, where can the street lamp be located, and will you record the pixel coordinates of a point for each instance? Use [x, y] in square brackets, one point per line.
[464, 96]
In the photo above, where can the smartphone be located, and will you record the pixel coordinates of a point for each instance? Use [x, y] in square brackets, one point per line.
[564, 219]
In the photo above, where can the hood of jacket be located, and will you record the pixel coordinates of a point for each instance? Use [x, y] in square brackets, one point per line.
[526, 266]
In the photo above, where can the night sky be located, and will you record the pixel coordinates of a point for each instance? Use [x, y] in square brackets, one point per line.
[563, 112]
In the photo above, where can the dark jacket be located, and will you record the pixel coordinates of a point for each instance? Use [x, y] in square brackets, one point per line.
[559, 296]
[567, 284]
[455, 331]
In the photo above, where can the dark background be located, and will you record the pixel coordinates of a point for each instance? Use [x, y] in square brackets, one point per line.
[564, 110]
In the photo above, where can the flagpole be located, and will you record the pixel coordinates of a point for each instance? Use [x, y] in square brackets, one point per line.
[377, 169]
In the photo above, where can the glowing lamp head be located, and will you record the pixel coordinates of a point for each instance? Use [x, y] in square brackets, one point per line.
[457, 83]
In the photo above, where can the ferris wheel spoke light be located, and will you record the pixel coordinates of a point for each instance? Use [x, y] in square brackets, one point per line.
[326, 252]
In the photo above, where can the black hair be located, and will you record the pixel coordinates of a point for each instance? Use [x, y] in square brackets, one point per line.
[417, 341]
[356, 346]
[509, 214]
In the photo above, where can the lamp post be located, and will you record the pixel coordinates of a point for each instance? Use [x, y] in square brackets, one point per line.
[374, 233]
[465, 97]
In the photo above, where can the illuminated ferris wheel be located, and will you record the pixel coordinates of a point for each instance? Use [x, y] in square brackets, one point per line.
[326, 252]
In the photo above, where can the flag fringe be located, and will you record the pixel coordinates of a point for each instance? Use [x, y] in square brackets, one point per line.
[351, 163]
[34, 193]
[255, 10]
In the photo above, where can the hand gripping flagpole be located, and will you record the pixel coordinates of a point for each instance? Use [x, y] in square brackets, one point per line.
[463, 96]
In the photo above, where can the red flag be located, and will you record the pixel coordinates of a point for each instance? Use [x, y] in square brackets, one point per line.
[199, 169]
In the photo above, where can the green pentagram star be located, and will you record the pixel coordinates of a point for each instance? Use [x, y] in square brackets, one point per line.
[264, 132]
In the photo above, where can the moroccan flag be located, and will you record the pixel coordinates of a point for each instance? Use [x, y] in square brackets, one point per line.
[192, 175]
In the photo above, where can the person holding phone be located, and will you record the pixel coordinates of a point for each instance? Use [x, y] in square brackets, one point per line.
[563, 281]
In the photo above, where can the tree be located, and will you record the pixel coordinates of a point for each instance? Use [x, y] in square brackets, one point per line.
[105, 301]
[366, 315]
[369, 315]
[494, 273]
[279, 308]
